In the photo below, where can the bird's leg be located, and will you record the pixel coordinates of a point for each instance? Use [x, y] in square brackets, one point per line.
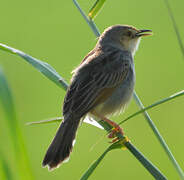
[116, 128]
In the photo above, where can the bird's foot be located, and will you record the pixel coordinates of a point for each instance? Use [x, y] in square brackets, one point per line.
[116, 129]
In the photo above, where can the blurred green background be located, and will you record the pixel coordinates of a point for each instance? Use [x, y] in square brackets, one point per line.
[55, 32]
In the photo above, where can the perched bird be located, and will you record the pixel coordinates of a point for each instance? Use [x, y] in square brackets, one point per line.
[101, 86]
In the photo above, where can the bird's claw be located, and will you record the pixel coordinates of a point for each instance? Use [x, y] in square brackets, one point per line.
[113, 133]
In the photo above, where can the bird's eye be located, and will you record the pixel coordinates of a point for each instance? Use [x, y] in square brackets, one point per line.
[129, 33]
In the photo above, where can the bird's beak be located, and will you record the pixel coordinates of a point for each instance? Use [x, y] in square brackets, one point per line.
[143, 32]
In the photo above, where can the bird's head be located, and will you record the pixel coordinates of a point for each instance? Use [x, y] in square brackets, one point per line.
[125, 36]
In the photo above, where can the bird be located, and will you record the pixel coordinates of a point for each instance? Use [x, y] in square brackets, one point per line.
[101, 86]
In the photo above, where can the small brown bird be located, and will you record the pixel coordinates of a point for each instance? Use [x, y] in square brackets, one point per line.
[101, 86]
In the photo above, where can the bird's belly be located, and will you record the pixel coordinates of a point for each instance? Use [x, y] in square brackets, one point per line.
[119, 99]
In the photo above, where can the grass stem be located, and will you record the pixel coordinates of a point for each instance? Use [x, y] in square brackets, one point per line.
[138, 101]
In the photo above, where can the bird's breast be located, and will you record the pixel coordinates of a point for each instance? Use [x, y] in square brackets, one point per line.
[120, 97]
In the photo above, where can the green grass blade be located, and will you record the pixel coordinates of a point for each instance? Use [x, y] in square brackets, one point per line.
[176, 165]
[154, 171]
[160, 139]
[59, 119]
[145, 162]
[106, 127]
[5, 172]
[47, 121]
[47, 70]
[174, 26]
[7, 102]
[176, 95]
[41, 66]
[91, 169]
[138, 101]
[96, 8]
[20, 153]
[88, 21]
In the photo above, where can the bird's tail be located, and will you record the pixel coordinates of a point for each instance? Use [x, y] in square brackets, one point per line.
[61, 146]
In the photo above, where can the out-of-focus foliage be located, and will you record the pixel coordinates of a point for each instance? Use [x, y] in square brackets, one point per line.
[56, 33]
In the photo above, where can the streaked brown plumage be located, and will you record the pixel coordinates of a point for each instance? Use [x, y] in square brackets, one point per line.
[101, 85]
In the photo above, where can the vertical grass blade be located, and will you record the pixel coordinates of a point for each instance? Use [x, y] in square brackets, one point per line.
[154, 171]
[96, 8]
[140, 105]
[104, 125]
[174, 26]
[50, 73]
[5, 172]
[161, 140]
[20, 153]
[89, 22]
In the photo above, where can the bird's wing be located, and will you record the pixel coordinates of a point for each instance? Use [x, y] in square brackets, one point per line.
[95, 80]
